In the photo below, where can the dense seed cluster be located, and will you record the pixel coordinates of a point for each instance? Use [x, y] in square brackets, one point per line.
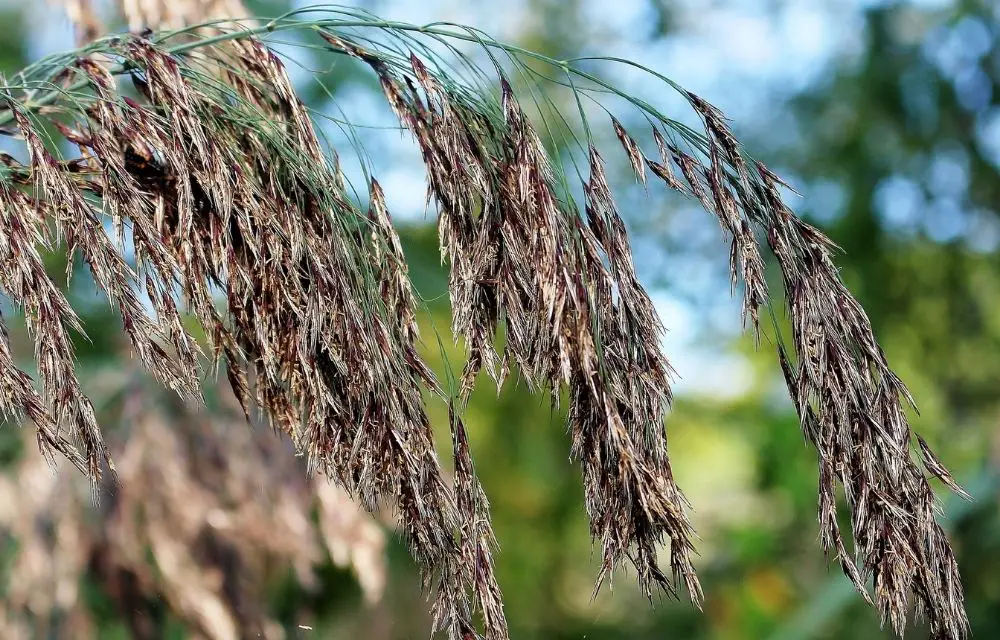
[243, 204]
[565, 291]
[235, 215]
[849, 401]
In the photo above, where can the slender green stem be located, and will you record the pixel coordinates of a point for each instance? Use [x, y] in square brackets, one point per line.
[438, 30]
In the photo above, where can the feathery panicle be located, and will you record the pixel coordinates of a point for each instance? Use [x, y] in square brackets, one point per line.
[521, 258]
[851, 408]
[850, 404]
[254, 211]
[198, 498]
[49, 317]
[238, 217]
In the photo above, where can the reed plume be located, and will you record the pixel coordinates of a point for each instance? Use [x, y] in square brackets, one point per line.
[238, 217]
[205, 512]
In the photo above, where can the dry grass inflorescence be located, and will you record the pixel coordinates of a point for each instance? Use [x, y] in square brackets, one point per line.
[206, 512]
[195, 143]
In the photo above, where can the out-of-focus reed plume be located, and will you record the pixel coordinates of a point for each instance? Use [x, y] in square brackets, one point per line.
[204, 512]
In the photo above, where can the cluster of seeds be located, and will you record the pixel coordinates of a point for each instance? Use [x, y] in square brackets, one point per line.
[235, 215]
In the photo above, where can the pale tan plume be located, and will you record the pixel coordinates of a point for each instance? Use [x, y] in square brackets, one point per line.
[155, 15]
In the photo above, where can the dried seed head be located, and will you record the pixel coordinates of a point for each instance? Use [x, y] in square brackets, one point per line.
[520, 257]
[631, 147]
[238, 219]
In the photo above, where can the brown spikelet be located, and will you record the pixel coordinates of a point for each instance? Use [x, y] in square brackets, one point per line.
[663, 169]
[19, 396]
[631, 147]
